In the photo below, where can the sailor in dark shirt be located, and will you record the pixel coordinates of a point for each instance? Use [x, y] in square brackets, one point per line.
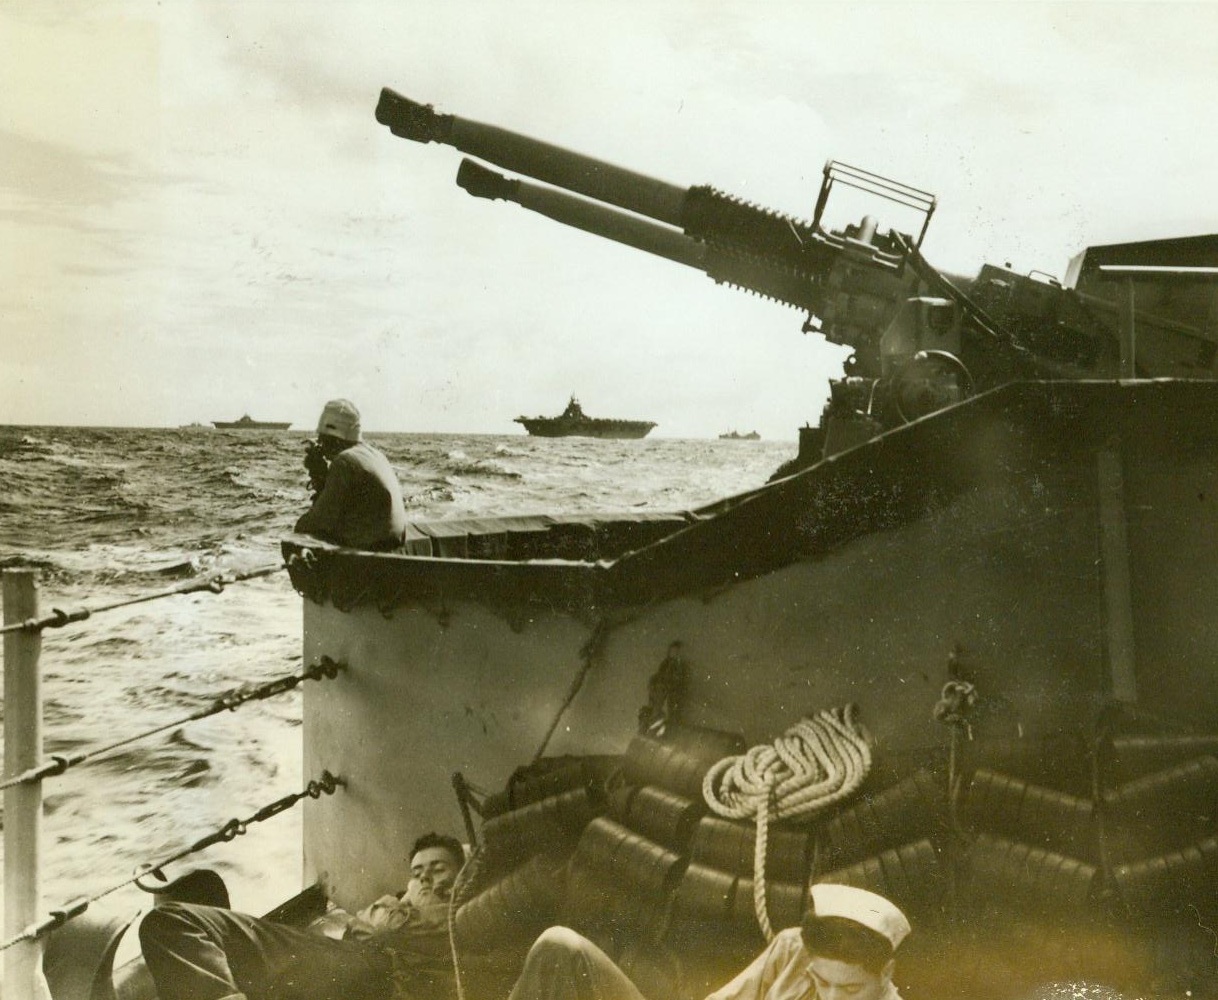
[359, 500]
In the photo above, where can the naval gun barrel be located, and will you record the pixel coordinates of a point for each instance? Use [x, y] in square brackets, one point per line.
[540, 160]
[482, 182]
[720, 264]
[701, 212]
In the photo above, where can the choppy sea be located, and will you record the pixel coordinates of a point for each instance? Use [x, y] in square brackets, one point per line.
[105, 513]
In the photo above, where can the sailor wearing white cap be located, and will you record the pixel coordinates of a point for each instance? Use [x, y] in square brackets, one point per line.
[844, 950]
[359, 500]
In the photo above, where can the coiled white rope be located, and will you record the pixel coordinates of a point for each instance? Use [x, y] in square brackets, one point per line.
[817, 762]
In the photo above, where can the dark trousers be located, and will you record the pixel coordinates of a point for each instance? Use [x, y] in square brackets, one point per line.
[204, 953]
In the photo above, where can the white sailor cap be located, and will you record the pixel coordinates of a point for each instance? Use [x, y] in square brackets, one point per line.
[863, 907]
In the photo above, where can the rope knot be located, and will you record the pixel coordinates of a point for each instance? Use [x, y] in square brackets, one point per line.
[956, 701]
[814, 764]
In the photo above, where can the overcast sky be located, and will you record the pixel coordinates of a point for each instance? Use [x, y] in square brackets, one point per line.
[200, 217]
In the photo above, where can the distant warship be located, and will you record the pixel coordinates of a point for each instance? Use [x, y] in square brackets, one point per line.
[737, 436]
[248, 423]
[573, 422]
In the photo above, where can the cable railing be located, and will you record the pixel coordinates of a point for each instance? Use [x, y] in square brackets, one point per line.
[327, 784]
[214, 584]
[228, 701]
[26, 767]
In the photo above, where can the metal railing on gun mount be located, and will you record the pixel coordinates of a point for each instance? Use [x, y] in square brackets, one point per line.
[26, 767]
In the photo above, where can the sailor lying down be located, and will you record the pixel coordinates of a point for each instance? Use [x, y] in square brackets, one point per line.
[399, 942]
[398, 949]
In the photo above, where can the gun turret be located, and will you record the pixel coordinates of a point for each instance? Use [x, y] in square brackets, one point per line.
[919, 342]
[702, 212]
[766, 252]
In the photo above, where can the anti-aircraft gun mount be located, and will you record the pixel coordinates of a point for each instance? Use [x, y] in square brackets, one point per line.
[921, 340]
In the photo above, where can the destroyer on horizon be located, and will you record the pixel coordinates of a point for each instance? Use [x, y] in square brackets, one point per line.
[573, 422]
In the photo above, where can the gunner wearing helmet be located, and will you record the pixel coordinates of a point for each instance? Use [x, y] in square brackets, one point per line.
[844, 950]
[359, 500]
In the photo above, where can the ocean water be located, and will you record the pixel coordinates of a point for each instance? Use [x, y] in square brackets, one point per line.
[105, 514]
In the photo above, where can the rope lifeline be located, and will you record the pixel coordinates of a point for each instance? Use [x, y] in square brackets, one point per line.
[588, 653]
[234, 828]
[215, 583]
[475, 864]
[817, 762]
[228, 701]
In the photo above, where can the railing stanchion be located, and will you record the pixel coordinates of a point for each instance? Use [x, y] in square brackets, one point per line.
[22, 803]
